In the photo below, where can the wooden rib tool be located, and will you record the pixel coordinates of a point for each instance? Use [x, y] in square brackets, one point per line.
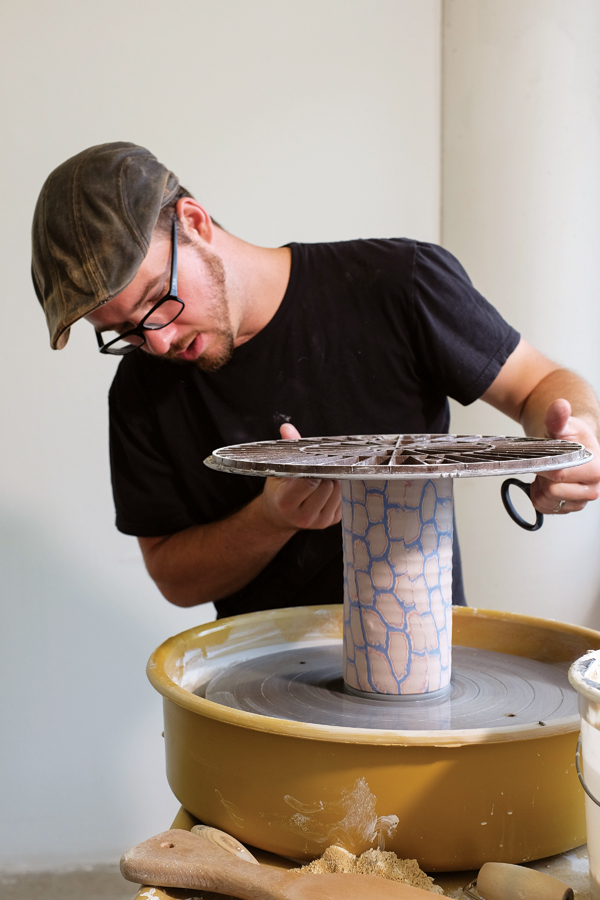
[179, 859]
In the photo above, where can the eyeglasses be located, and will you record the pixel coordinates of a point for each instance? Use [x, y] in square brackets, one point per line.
[162, 314]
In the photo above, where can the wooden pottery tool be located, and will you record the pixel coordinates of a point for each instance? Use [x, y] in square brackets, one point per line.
[503, 881]
[179, 859]
[222, 839]
[225, 841]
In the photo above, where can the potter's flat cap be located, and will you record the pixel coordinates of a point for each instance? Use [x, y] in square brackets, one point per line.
[92, 228]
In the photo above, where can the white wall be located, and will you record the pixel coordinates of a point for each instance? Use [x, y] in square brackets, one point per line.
[290, 120]
[521, 210]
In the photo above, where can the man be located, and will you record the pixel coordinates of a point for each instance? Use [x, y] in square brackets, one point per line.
[226, 342]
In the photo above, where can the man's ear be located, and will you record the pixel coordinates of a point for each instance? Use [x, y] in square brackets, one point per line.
[194, 219]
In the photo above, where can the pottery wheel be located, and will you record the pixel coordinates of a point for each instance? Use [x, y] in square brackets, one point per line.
[488, 690]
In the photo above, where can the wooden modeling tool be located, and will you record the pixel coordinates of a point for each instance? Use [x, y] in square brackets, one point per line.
[179, 859]
[225, 841]
[503, 881]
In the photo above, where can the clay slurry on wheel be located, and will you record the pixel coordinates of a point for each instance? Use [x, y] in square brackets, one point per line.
[489, 690]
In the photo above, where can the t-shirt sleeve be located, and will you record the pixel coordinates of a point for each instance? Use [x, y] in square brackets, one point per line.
[147, 500]
[463, 341]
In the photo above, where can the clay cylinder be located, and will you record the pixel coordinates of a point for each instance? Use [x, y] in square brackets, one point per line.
[397, 586]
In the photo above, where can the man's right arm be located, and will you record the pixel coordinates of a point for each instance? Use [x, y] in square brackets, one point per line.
[208, 562]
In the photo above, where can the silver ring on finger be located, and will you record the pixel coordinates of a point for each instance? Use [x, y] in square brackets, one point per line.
[559, 506]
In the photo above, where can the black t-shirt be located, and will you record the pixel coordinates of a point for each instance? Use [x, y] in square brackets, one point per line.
[371, 336]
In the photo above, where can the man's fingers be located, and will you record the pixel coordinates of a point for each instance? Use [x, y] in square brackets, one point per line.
[296, 493]
[331, 510]
[292, 492]
[317, 499]
[561, 497]
[572, 475]
[305, 502]
[289, 432]
[551, 491]
[556, 418]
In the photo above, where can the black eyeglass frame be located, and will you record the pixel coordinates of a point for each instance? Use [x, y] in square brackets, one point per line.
[141, 326]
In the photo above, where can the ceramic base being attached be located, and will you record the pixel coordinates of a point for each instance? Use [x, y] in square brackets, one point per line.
[397, 539]
[397, 698]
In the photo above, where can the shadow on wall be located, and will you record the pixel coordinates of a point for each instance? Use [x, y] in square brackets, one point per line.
[592, 620]
[76, 708]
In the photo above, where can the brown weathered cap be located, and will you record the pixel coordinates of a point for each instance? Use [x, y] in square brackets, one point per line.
[92, 228]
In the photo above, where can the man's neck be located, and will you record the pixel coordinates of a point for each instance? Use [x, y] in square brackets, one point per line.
[256, 280]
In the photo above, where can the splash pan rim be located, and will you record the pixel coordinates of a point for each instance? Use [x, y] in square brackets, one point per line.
[170, 656]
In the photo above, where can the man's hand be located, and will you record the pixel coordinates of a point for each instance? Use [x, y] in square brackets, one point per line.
[292, 504]
[577, 485]
[212, 561]
[527, 389]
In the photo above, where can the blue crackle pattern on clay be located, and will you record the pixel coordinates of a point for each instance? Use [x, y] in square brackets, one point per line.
[397, 584]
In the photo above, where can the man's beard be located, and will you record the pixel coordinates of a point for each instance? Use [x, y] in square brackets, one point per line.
[219, 356]
[220, 331]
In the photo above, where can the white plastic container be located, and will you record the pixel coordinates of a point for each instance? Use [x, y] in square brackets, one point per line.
[584, 675]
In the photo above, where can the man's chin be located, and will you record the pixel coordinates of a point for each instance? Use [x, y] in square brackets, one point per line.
[212, 361]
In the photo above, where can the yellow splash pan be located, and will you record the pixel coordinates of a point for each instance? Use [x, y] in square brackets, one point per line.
[450, 799]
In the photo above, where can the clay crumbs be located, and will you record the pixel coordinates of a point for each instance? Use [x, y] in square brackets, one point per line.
[384, 863]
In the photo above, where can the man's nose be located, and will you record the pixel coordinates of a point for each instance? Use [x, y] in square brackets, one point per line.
[159, 341]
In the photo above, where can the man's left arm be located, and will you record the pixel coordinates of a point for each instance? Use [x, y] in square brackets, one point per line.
[551, 402]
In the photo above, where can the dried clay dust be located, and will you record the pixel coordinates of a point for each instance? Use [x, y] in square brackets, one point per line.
[384, 863]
